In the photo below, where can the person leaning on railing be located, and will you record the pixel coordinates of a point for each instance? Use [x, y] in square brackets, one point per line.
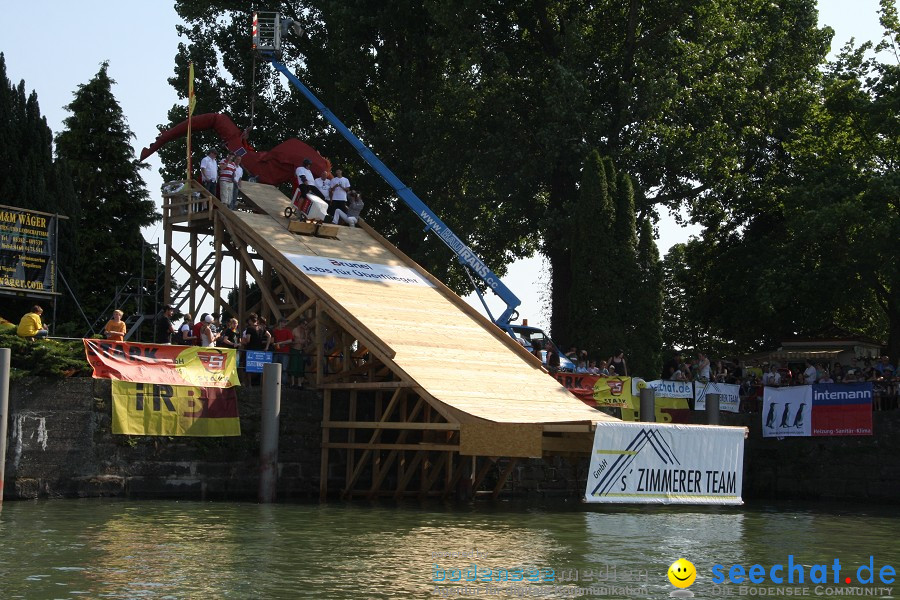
[115, 328]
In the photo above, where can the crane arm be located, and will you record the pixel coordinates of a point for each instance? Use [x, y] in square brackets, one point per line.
[463, 253]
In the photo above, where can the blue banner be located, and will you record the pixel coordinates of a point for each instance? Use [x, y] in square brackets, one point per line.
[256, 360]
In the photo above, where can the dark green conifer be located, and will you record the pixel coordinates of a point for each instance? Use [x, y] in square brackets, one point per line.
[96, 146]
[647, 303]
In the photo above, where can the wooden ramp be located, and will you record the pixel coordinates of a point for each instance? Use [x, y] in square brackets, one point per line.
[456, 383]
[465, 363]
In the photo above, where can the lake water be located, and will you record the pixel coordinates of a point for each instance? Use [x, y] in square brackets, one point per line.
[141, 549]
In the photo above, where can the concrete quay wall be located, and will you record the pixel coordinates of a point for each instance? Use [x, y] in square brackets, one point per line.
[60, 445]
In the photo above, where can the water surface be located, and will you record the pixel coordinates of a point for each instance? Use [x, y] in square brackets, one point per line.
[143, 549]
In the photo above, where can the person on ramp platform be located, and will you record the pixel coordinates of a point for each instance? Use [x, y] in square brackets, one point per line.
[305, 179]
[340, 185]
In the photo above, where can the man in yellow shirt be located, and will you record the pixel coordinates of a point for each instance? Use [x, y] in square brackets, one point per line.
[30, 326]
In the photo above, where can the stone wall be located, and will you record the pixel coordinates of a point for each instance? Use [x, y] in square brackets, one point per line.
[60, 445]
[863, 468]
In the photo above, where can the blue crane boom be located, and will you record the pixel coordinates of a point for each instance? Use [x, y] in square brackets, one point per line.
[269, 49]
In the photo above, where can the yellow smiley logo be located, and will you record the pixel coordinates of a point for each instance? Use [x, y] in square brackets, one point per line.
[682, 573]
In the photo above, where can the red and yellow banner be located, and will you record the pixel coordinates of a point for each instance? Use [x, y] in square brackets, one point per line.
[614, 391]
[162, 409]
[162, 364]
[598, 390]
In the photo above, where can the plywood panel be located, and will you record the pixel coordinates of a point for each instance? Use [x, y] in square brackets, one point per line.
[457, 358]
[510, 439]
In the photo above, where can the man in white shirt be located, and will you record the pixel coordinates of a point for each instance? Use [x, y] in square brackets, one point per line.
[810, 374]
[238, 174]
[209, 171]
[226, 180]
[340, 185]
[323, 184]
[304, 176]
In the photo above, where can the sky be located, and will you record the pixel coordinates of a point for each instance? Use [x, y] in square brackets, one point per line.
[54, 55]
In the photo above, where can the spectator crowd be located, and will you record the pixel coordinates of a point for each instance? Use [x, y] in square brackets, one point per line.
[223, 178]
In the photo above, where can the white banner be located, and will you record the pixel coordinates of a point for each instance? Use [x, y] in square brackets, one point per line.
[729, 396]
[650, 463]
[786, 411]
[672, 389]
[354, 269]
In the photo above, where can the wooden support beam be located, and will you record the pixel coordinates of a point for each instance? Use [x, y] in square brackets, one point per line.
[503, 477]
[436, 469]
[379, 416]
[392, 425]
[323, 469]
[302, 309]
[410, 471]
[257, 276]
[195, 277]
[482, 472]
[376, 435]
[241, 285]
[455, 474]
[167, 285]
[351, 435]
[365, 385]
[401, 439]
[320, 344]
[192, 306]
[393, 447]
[217, 280]
[266, 284]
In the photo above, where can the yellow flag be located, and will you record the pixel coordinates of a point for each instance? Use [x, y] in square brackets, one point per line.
[191, 100]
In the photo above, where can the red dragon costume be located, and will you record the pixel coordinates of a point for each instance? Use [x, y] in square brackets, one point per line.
[274, 167]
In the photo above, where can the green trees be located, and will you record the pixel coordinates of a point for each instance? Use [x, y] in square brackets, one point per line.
[95, 147]
[590, 307]
[616, 295]
[31, 179]
[815, 244]
[647, 303]
[847, 214]
[485, 109]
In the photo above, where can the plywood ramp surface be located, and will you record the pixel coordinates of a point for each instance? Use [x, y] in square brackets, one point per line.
[449, 352]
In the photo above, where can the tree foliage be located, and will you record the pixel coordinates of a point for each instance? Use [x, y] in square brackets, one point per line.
[95, 146]
[589, 306]
[821, 250]
[31, 179]
[645, 352]
[483, 107]
[848, 190]
[616, 296]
